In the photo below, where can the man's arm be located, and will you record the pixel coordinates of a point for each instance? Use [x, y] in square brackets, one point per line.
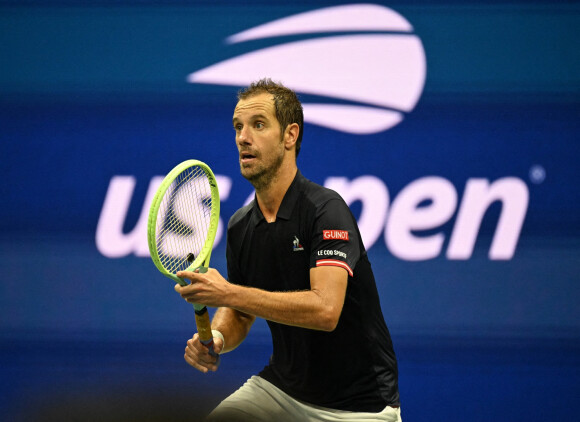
[234, 326]
[318, 308]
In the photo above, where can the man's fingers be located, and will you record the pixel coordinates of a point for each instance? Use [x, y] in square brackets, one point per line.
[184, 290]
[197, 355]
[195, 364]
[188, 275]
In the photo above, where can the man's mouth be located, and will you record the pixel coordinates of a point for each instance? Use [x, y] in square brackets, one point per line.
[246, 157]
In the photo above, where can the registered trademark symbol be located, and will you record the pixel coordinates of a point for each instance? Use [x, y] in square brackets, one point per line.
[537, 174]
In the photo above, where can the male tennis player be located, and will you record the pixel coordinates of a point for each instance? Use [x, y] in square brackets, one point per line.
[295, 258]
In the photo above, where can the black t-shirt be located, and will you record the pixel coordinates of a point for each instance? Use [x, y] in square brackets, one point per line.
[351, 368]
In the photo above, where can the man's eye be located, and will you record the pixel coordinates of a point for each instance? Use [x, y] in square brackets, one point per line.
[259, 125]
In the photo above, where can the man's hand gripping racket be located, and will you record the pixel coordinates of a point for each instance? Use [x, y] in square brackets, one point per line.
[182, 225]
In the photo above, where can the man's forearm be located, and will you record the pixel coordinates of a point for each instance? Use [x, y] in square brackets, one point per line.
[233, 325]
[306, 309]
[318, 308]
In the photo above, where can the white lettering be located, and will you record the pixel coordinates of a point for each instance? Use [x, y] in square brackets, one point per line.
[408, 214]
[423, 205]
[110, 239]
[327, 252]
[479, 195]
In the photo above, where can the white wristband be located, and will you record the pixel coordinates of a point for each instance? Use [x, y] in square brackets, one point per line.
[217, 334]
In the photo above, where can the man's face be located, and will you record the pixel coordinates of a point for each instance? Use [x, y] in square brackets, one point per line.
[258, 139]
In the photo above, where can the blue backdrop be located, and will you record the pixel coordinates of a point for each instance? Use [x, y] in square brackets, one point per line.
[457, 151]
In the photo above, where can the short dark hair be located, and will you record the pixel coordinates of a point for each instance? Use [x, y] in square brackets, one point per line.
[286, 104]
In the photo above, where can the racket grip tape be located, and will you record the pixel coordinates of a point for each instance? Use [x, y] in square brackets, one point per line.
[204, 329]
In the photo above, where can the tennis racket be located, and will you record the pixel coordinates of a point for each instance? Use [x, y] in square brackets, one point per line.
[181, 229]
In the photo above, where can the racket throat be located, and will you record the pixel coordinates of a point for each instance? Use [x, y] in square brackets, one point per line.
[200, 312]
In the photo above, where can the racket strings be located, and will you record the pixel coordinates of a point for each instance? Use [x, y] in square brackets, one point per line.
[183, 219]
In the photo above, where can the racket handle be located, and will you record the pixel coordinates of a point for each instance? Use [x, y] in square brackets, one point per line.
[204, 329]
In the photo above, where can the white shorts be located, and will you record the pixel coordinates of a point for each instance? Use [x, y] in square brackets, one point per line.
[260, 401]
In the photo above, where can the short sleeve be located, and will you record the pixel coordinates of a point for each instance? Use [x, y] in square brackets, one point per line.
[335, 239]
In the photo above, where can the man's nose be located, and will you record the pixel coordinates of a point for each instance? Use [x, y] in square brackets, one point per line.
[243, 137]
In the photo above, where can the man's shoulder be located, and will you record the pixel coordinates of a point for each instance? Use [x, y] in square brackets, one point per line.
[319, 195]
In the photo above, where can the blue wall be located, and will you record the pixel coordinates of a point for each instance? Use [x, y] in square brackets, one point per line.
[94, 95]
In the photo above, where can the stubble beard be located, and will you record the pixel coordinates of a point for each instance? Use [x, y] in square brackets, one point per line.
[264, 174]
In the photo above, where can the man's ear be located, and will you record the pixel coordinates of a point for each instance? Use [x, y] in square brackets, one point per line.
[291, 135]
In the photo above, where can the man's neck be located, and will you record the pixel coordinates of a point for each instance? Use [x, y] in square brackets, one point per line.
[270, 197]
